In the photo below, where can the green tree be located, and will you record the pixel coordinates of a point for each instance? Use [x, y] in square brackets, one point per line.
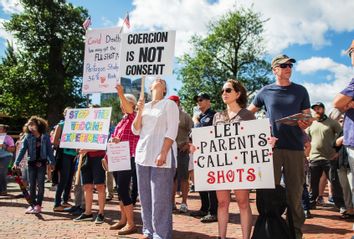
[44, 75]
[113, 102]
[234, 49]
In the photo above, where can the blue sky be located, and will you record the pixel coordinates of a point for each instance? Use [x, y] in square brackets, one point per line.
[316, 33]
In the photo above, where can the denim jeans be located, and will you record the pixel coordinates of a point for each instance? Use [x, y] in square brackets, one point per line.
[4, 162]
[36, 177]
[66, 173]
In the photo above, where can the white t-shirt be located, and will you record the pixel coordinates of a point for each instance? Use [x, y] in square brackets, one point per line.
[158, 122]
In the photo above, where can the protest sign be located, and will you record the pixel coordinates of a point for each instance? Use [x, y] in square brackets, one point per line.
[101, 61]
[148, 54]
[2, 138]
[233, 156]
[86, 128]
[118, 156]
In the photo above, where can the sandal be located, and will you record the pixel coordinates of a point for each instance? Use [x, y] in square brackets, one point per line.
[126, 230]
[117, 226]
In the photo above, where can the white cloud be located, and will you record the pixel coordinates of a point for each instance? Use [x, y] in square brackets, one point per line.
[187, 17]
[290, 22]
[325, 92]
[11, 6]
[6, 35]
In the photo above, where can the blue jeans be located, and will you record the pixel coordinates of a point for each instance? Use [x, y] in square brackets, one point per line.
[66, 173]
[4, 162]
[36, 176]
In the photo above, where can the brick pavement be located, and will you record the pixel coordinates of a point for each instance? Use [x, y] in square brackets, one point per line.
[15, 224]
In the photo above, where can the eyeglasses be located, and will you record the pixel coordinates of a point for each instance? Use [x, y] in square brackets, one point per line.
[285, 65]
[200, 99]
[227, 90]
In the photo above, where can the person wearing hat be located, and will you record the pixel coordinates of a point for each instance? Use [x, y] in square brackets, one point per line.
[323, 132]
[208, 210]
[182, 174]
[344, 102]
[7, 148]
[281, 99]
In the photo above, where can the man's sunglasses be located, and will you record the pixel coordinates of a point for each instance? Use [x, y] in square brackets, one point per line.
[227, 90]
[285, 65]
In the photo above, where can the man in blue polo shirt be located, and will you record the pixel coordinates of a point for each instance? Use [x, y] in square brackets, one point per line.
[344, 102]
[281, 99]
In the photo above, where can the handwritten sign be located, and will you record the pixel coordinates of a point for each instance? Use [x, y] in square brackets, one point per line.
[149, 53]
[233, 156]
[118, 156]
[101, 62]
[86, 128]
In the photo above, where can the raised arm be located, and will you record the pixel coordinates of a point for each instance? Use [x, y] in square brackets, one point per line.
[126, 105]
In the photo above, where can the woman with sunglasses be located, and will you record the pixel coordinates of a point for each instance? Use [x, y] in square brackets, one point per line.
[234, 95]
[156, 123]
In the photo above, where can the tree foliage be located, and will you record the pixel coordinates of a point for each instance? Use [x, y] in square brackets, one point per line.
[233, 48]
[44, 75]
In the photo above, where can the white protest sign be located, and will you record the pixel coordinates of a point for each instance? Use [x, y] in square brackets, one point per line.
[2, 138]
[148, 54]
[86, 128]
[118, 156]
[233, 156]
[101, 61]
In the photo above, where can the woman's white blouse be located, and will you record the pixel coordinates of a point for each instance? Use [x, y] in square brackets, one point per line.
[158, 122]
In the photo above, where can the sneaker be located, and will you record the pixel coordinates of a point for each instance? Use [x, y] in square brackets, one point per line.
[83, 217]
[78, 211]
[71, 209]
[36, 209]
[209, 218]
[320, 200]
[29, 210]
[308, 214]
[330, 200]
[199, 213]
[342, 210]
[99, 219]
[183, 208]
[59, 208]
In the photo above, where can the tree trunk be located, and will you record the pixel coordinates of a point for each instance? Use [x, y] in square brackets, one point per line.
[56, 79]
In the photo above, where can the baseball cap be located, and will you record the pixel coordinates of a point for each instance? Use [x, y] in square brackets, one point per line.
[320, 104]
[280, 59]
[175, 98]
[203, 96]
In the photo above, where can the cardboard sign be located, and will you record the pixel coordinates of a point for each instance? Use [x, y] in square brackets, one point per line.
[118, 156]
[233, 156]
[101, 62]
[147, 54]
[86, 128]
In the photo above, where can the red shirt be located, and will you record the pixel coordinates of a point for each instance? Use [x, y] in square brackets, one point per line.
[123, 131]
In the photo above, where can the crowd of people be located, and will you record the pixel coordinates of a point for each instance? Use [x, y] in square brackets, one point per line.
[318, 150]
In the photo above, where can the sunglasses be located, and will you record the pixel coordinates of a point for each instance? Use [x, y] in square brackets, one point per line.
[200, 100]
[285, 65]
[227, 90]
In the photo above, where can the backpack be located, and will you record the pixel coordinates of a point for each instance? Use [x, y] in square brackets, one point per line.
[271, 205]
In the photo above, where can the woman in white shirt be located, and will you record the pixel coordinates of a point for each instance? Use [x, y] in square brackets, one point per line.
[156, 123]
